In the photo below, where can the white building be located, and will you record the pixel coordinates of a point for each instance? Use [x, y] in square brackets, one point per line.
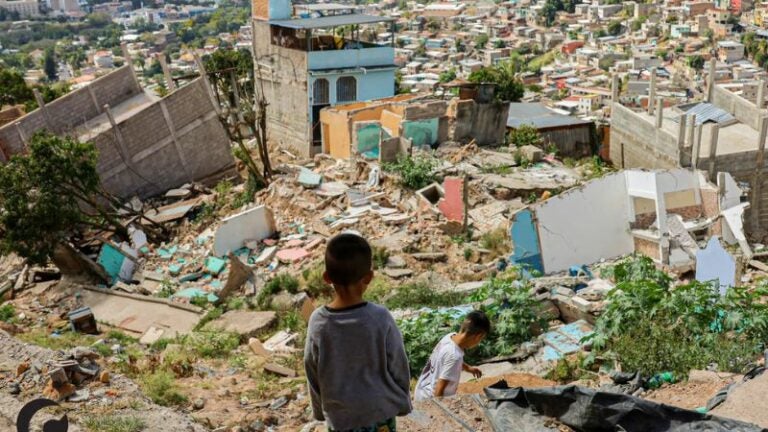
[25, 8]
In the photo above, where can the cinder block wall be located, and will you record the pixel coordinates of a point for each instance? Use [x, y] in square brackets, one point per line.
[71, 110]
[637, 143]
[158, 153]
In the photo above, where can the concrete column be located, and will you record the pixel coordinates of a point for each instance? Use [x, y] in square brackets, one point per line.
[22, 135]
[94, 99]
[661, 211]
[206, 83]
[121, 147]
[696, 147]
[714, 133]
[757, 182]
[652, 92]
[615, 89]
[44, 109]
[711, 79]
[691, 130]
[166, 73]
[129, 63]
[760, 94]
[681, 131]
[659, 112]
[174, 138]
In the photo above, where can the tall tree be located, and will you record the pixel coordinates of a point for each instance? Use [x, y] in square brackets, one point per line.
[13, 89]
[509, 87]
[49, 65]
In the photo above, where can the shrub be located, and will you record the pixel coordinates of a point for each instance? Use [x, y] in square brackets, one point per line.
[314, 284]
[7, 312]
[211, 344]
[495, 241]
[162, 389]
[114, 423]
[281, 282]
[651, 326]
[380, 257]
[524, 135]
[415, 172]
[419, 294]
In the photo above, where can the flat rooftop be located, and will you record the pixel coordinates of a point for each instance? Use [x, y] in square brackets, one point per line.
[330, 21]
[732, 139]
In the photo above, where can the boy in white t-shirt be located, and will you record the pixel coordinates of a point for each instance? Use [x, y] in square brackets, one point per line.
[440, 376]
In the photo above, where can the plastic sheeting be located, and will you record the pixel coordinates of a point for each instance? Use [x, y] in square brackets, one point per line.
[582, 409]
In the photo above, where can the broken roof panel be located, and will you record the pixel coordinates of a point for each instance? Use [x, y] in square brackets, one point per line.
[539, 116]
[706, 112]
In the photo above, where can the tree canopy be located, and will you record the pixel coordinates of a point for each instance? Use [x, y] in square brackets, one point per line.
[509, 87]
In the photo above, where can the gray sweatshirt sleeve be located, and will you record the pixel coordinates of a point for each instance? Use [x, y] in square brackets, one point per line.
[310, 366]
[397, 364]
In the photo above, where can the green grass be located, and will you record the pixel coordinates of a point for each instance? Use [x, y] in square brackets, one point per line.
[65, 340]
[542, 60]
[419, 294]
[113, 423]
[7, 312]
[162, 389]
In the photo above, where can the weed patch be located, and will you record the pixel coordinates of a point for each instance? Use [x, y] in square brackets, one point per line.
[416, 295]
[113, 423]
[7, 312]
[415, 172]
[162, 389]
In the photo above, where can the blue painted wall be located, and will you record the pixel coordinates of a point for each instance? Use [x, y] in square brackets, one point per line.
[371, 85]
[526, 241]
[422, 132]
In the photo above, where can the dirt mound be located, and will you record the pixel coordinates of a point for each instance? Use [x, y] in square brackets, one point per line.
[513, 380]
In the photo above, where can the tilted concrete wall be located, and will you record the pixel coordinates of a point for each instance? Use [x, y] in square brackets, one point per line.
[637, 143]
[744, 110]
[571, 141]
[176, 140]
[71, 110]
[284, 76]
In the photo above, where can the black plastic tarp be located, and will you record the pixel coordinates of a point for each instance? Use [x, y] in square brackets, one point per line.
[583, 409]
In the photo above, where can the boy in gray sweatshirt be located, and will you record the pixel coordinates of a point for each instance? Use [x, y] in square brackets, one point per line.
[354, 356]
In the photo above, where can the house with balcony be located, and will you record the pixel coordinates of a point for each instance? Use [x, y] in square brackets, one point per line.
[306, 64]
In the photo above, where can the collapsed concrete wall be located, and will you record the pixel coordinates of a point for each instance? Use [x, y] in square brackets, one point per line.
[175, 140]
[154, 145]
[585, 224]
[64, 114]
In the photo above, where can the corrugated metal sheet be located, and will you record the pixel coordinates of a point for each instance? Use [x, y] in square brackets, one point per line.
[706, 112]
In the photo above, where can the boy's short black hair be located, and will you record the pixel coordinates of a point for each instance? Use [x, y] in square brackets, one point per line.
[348, 259]
[475, 323]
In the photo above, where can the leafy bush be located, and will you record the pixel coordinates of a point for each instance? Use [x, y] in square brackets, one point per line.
[314, 284]
[281, 282]
[211, 343]
[513, 312]
[415, 172]
[162, 389]
[7, 312]
[651, 326]
[419, 294]
[525, 135]
[380, 257]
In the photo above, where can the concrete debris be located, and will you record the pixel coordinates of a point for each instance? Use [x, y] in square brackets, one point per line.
[253, 224]
[245, 323]
[280, 370]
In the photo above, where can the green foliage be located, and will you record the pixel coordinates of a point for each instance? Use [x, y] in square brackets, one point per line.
[496, 241]
[210, 344]
[447, 76]
[513, 312]
[524, 135]
[281, 282]
[13, 89]
[41, 193]
[113, 423]
[509, 87]
[419, 294]
[7, 312]
[380, 257]
[537, 63]
[378, 290]
[615, 28]
[162, 389]
[695, 62]
[314, 283]
[415, 172]
[467, 253]
[650, 326]
[210, 316]
[566, 370]
[481, 41]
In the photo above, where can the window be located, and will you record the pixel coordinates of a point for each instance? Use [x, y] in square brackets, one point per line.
[346, 89]
[320, 92]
